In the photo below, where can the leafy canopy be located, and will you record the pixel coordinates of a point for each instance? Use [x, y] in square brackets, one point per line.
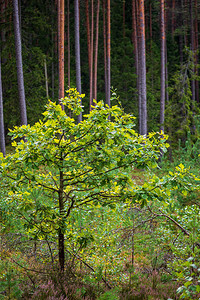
[62, 165]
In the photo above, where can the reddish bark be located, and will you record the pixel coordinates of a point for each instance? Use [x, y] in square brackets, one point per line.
[68, 43]
[61, 47]
[162, 89]
[88, 32]
[150, 20]
[96, 50]
[77, 51]
[91, 53]
[196, 49]
[192, 45]
[105, 49]
[108, 53]
[142, 66]
[134, 35]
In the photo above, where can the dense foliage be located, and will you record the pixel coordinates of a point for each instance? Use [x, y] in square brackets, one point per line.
[92, 209]
[81, 190]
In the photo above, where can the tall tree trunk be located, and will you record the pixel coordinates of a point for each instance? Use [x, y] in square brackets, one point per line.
[173, 16]
[88, 33]
[150, 21]
[91, 53]
[105, 51]
[142, 57]
[185, 22]
[2, 134]
[166, 61]
[181, 35]
[52, 50]
[108, 53]
[61, 245]
[139, 66]
[135, 45]
[196, 51]
[77, 51]
[134, 35]
[68, 44]
[96, 50]
[3, 22]
[162, 88]
[61, 10]
[46, 78]
[192, 47]
[20, 76]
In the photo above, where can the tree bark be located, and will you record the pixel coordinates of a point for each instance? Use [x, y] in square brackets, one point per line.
[192, 47]
[88, 32]
[61, 245]
[105, 50]
[61, 29]
[96, 50]
[134, 35]
[2, 133]
[162, 88]
[143, 129]
[68, 44]
[108, 53]
[52, 49]
[91, 53]
[20, 76]
[150, 21]
[46, 78]
[196, 49]
[77, 51]
[139, 66]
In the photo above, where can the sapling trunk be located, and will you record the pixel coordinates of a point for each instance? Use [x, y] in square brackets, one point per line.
[61, 245]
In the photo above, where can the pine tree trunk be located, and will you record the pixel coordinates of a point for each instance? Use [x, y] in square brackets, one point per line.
[108, 53]
[91, 53]
[77, 51]
[134, 35]
[192, 46]
[96, 50]
[139, 66]
[2, 134]
[105, 51]
[61, 29]
[150, 21]
[186, 23]
[68, 44]
[196, 50]
[142, 50]
[20, 76]
[162, 88]
[46, 78]
[52, 50]
[88, 33]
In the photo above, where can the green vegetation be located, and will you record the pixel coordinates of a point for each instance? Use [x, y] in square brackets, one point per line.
[87, 213]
